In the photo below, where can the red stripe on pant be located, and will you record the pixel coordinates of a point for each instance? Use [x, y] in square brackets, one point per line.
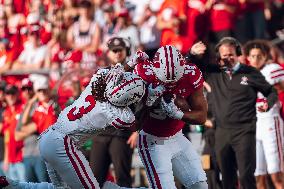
[82, 166]
[279, 141]
[74, 163]
[145, 162]
[157, 180]
[281, 144]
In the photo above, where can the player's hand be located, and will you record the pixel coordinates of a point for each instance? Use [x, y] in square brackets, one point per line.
[208, 123]
[132, 141]
[154, 93]
[198, 48]
[33, 99]
[115, 74]
[138, 57]
[171, 109]
[102, 72]
[263, 107]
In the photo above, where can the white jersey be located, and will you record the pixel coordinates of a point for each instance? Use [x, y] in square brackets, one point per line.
[86, 117]
[273, 74]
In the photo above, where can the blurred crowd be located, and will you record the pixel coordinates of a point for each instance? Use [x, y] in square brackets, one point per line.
[49, 49]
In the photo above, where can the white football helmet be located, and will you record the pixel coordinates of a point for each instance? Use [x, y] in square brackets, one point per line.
[128, 90]
[168, 64]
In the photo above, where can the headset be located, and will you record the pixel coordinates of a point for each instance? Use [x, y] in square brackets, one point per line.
[231, 41]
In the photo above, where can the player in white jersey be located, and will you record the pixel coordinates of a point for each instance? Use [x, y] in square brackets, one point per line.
[269, 125]
[86, 117]
[91, 113]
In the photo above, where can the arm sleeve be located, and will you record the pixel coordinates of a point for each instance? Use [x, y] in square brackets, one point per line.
[261, 85]
[123, 118]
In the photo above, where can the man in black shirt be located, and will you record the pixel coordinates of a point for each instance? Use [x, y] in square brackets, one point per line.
[234, 92]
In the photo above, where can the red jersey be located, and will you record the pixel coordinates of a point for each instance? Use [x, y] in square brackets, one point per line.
[10, 120]
[158, 123]
[197, 22]
[220, 17]
[173, 36]
[44, 117]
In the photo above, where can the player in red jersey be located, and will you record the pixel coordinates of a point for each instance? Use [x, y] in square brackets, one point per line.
[164, 150]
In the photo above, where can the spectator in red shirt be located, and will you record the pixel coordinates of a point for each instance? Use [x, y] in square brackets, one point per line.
[41, 111]
[14, 23]
[170, 19]
[197, 21]
[34, 19]
[34, 165]
[7, 54]
[13, 157]
[222, 18]
[33, 55]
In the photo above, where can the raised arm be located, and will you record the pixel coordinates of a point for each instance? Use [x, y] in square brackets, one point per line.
[27, 111]
[25, 131]
[198, 55]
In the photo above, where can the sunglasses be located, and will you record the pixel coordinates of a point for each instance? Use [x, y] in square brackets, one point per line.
[10, 93]
[27, 88]
[117, 50]
[42, 90]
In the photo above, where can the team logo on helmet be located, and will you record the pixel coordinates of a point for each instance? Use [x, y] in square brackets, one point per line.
[168, 64]
[128, 90]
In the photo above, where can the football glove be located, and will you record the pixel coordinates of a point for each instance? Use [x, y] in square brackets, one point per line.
[139, 56]
[171, 109]
[154, 93]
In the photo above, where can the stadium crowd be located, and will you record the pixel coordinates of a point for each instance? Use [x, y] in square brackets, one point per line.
[50, 49]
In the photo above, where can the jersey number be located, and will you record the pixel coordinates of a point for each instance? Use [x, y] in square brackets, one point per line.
[189, 70]
[82, 110]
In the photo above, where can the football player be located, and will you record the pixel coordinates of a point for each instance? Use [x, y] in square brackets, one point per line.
[100, 105]
[269, 125]
[163, 149]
